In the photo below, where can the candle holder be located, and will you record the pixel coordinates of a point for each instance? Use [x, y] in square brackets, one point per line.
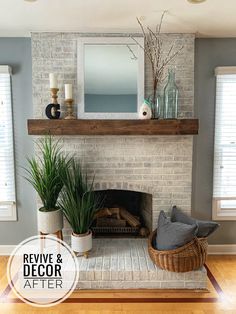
[54, 92]
[52, 110]
[69, 109]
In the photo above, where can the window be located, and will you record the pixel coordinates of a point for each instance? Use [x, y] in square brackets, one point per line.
[7, 167]
[224, 182]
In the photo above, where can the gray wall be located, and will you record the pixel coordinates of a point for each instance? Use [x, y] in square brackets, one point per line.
[16, 52]
[209, 53]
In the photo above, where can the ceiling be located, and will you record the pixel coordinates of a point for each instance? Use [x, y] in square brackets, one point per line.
[213, 18]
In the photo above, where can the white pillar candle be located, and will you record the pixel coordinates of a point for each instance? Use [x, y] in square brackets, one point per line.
[68, 91]
[53, 80]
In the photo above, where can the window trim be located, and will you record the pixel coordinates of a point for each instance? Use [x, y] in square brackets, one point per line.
[219, 213]
[9, 212]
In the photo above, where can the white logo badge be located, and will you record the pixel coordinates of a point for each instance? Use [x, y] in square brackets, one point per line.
[42, 271]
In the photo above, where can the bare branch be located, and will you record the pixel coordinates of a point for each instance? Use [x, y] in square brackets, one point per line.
[145, 35]
[132, 52]
[169, 52]
[143, 48]
[153, 49]
[141, 26]
[162, 17]
[151, 32]
[167, 61]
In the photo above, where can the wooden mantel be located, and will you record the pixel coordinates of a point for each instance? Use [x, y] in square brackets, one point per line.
[113, 127]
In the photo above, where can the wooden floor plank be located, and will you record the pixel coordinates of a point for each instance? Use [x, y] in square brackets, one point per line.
[223, 269]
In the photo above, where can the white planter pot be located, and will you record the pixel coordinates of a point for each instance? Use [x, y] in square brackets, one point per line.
[81, 243]
[50, 222]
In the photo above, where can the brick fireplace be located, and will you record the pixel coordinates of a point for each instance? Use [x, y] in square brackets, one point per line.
[158, 166]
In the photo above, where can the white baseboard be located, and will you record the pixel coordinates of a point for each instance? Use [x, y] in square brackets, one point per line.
[6, 249]
[222, 249]
[213, 249]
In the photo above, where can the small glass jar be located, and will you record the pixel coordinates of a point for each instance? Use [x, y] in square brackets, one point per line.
[159, 113]
[157, 105]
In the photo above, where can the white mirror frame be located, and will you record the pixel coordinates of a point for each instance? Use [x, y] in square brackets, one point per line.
[80, 77]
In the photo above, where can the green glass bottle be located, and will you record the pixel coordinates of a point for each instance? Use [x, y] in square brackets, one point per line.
[171, 94]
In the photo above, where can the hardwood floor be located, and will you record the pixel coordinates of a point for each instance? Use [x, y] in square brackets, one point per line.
[223, 269]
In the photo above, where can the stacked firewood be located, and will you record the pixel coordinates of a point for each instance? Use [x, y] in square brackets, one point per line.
[118, 217]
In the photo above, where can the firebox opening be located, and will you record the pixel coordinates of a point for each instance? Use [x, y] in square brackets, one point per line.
[123, 213]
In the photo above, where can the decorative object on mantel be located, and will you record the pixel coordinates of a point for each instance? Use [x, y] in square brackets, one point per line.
[145, 111]
[159, 108]
[52, 110]
[69, 102]
[79, 205]
[171, 95]
[159, 60]
[44, 174]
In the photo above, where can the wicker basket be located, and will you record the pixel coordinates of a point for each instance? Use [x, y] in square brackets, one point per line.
[189, 257]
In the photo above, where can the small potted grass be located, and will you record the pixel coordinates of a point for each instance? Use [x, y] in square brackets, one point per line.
[79, 205]
[45, 175]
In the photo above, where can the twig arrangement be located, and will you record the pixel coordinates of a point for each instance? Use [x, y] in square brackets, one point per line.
[153, 49]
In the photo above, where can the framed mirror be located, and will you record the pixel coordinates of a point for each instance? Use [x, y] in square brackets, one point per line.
[110, 77]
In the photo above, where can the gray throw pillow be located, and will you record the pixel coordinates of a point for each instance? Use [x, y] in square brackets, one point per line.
[205, 228]
[172, 235]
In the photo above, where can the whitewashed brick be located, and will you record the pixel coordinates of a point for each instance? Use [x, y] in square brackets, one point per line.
[158, 165]
[111, 271]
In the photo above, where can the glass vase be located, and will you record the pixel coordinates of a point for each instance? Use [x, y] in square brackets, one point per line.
[152, 105]
[157, 105]
[159, 113]
[171, 94]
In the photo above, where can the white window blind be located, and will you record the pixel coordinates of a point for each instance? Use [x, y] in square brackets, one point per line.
[224, 182]
[7, 167]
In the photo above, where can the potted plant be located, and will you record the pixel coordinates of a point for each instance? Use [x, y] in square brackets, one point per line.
[79, 204]
[45, 175]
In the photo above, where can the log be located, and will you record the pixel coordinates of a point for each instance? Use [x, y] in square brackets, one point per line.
[103, 212]
[132, 221]
[115, 211]
[110, 222]
[144, 232]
